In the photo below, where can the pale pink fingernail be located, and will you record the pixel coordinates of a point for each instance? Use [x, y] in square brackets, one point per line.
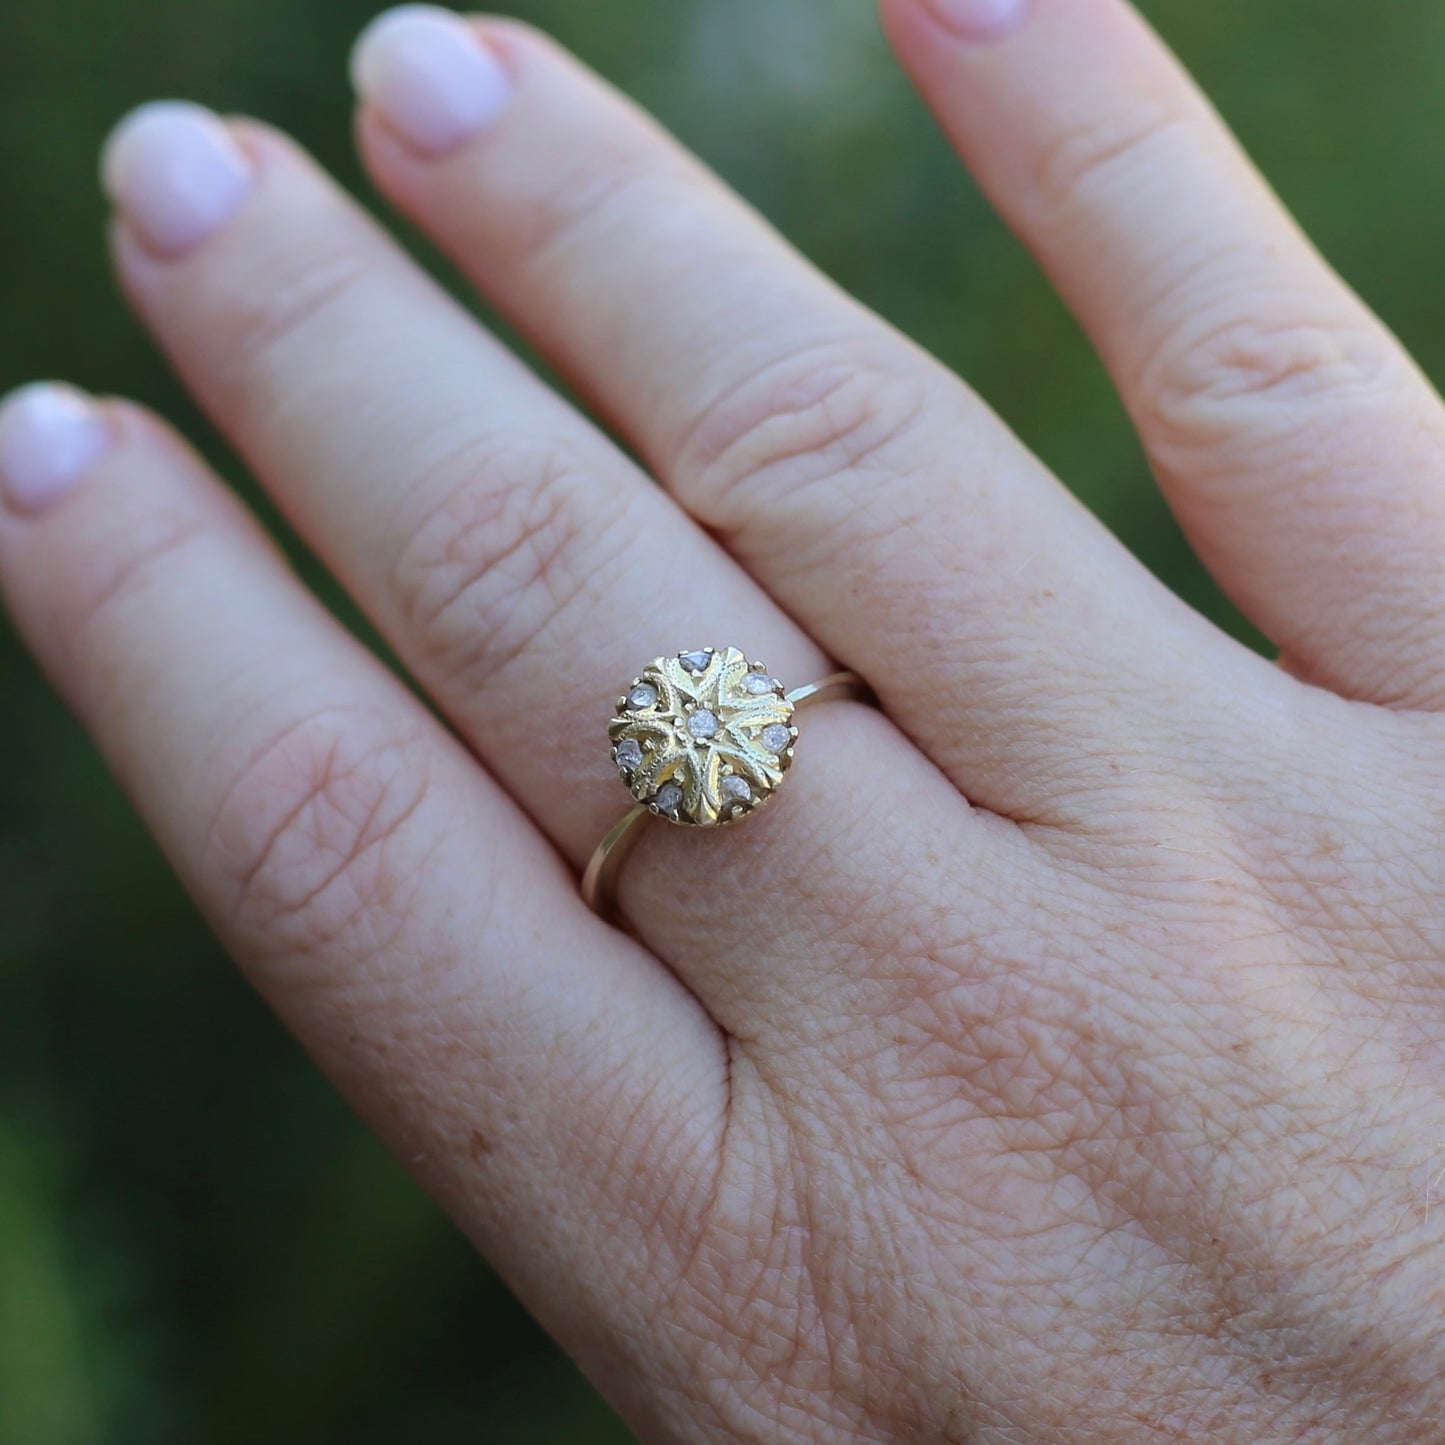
[176, 174]
[981, 20]
[429, 74]
[50, 437]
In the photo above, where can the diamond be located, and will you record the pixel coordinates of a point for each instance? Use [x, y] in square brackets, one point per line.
[777, 738]
[703, 736]
[703, 724]
[736, 789]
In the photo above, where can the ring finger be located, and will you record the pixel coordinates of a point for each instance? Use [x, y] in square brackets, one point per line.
[511, 554]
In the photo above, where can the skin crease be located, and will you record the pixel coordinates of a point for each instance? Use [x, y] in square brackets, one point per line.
[1073, 1073]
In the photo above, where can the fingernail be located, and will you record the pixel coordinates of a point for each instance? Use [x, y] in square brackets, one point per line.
[50, 436]
[431, 77]
[980, 20]
[175, 173]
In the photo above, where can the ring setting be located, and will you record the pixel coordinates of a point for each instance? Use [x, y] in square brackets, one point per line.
[703, 738]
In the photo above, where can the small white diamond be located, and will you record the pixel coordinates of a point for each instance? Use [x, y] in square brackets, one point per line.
[669, 797]
[642, 696]
[777, 738]
[758, 683]
[695, 661]
[736, 789]
[703, 724]
[629, 754]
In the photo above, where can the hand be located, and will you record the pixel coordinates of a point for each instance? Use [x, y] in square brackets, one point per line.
[1060, 1056]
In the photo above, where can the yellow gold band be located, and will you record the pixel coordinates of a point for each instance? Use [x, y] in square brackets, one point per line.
[599, 881]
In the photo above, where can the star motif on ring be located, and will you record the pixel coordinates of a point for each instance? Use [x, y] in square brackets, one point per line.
[703, 737]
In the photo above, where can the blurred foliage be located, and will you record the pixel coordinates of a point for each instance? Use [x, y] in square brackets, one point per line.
[197, 1242]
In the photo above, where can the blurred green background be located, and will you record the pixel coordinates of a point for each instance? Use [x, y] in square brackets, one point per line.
[197, 1242]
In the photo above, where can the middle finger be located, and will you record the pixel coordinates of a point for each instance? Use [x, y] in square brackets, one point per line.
[859, 481]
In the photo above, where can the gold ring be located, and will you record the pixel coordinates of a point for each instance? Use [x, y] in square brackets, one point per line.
[702, 740]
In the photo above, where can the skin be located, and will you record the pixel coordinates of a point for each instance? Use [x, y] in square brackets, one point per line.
[1059, 1059]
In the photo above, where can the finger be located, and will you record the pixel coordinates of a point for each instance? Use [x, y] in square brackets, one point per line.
[383, 893]
[521, 566]
[1299, 445]
[499, 540]
[860, 483]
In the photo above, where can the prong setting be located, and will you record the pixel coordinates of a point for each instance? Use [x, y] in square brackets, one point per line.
[703, 737]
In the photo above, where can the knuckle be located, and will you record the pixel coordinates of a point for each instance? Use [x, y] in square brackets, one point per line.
[254, 322]
[1083, 159]
[164, 538]
[798, 423]
[316, 839]
[1277, 368]
[514, 540]
[582, 206]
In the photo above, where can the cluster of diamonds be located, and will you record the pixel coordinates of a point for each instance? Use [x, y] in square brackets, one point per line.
[704, 737]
